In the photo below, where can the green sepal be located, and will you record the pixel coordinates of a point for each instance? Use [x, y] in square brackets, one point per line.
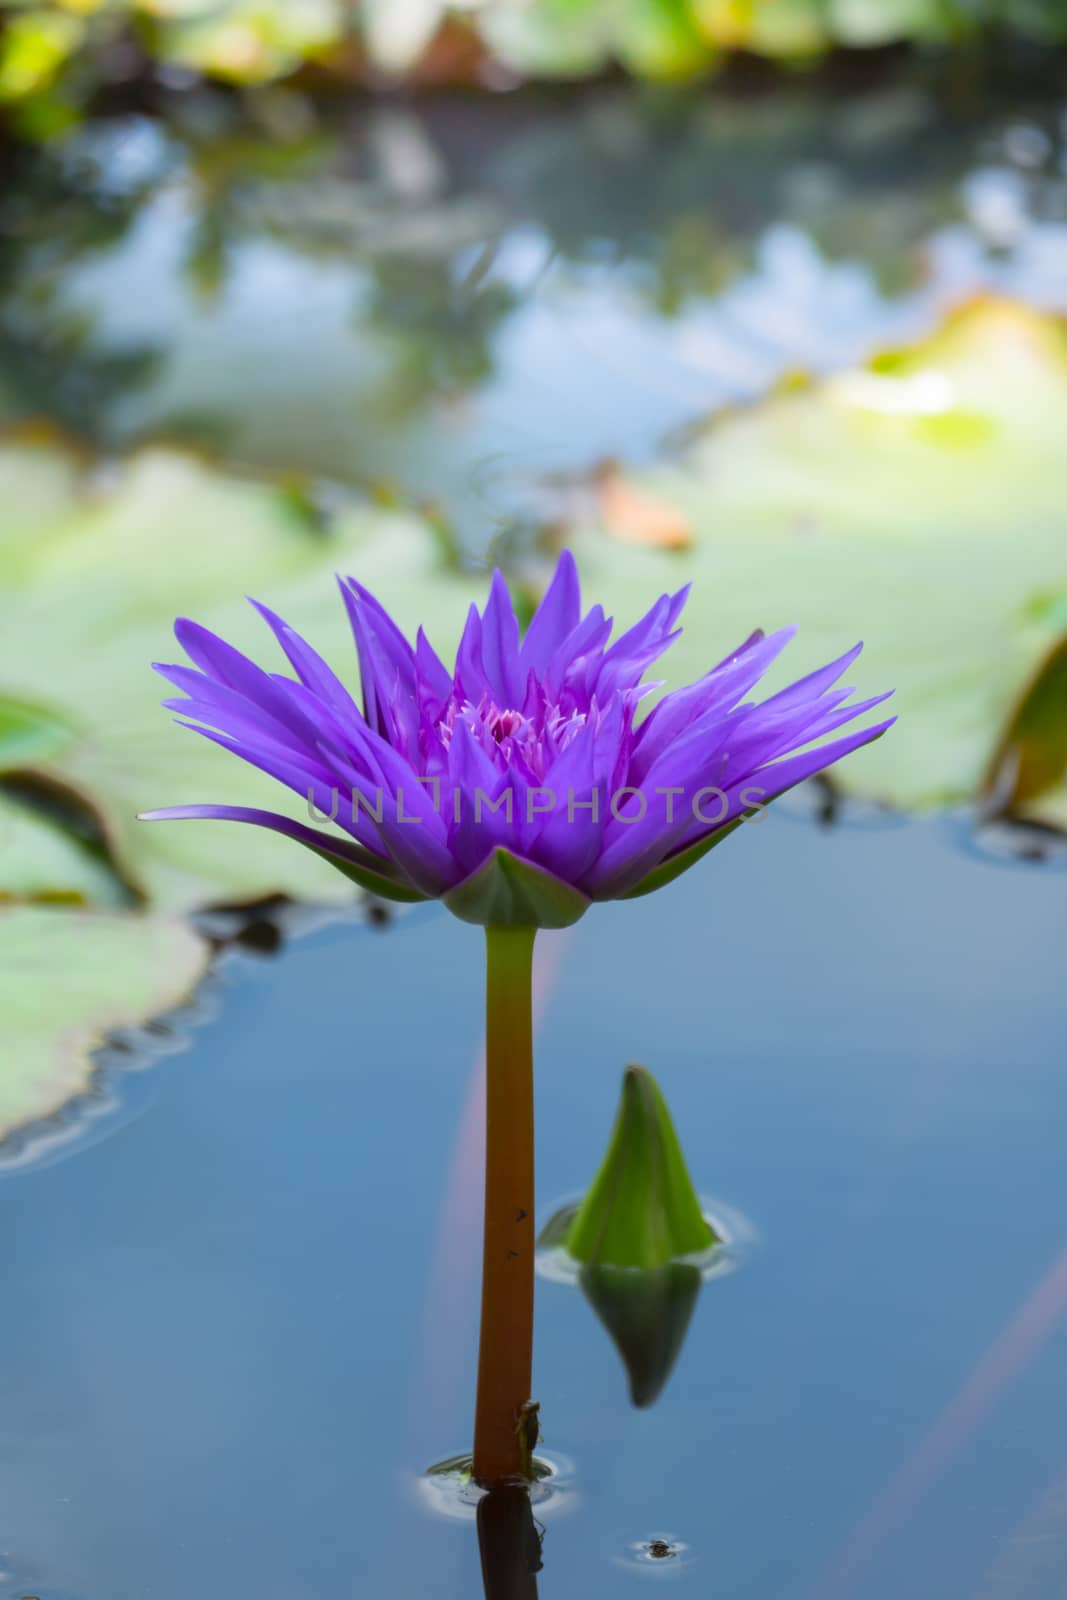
[374, 882]
[508, 892]
[647, 1316]
[674, 866]
[642, 1209]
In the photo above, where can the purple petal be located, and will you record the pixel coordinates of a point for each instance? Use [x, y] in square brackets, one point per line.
[433, 676]
[314, 673]
[386, 661]
[470, 673]
[555, 618]
[500, 645]
[474, 788]
[712, 696]
[229, 669]
[411, 828]
[630, 657]
[759, 788]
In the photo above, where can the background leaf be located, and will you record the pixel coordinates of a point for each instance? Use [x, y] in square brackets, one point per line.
[68, 978]
[89, 603]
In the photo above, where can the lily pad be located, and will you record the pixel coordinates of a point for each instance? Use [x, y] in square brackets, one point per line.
[916, 503]
[67, 980]
[41, 860]
[89, 604]
[28, 733]
[1027, 776]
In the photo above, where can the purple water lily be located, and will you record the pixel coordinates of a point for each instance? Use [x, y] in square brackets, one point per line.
[522, 785]
[518, 788]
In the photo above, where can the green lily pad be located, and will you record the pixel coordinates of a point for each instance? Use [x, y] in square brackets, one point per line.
[916, 503]
[67, 980]
[1027, 776]
[28, 733]
[90, 604]
[41, 860]
[38, 476]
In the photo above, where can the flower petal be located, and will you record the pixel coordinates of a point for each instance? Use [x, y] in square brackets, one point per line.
[500, 645]
[369, 871]
[556, 617]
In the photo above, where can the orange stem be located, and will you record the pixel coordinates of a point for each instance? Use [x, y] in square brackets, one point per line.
[505, 1353]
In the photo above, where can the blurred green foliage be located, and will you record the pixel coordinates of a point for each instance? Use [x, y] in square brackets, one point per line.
[55, 54]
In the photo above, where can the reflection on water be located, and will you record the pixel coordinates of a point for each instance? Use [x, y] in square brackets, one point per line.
[464, 296]
[509, 1541]
[647, 1315]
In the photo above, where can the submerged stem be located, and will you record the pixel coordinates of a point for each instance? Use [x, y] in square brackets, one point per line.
[505, 1353]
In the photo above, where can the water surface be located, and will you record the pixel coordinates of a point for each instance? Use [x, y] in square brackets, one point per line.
[238, 1328]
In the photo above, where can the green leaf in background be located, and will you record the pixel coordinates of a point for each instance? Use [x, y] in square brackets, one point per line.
[89, 602]
[28, 734]
[788, 29]
[68, 979]
[34, 47]
[641, 1209]
[39, 477]
[1027, 776]
[916, 503]
[42, 860]
[660, 39]
[244, 41]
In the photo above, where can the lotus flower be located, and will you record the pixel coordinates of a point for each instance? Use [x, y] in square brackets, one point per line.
[523, 784]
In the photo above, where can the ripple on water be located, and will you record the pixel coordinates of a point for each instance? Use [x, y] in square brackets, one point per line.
[448, 1488]
[735, 1239]
[659, 1553]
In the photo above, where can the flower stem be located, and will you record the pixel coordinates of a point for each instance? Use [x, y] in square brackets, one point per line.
[505, 1354]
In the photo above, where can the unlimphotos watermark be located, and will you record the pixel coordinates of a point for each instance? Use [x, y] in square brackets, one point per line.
[709, 805]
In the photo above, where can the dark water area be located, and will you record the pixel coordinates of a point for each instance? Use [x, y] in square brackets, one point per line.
[462, 296]
[239, 1324]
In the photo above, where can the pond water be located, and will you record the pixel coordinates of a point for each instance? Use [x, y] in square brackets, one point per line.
[239, 1320]
[239, 1327]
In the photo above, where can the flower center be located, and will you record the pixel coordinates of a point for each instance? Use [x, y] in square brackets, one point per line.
[504, 732]
[504, 724]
